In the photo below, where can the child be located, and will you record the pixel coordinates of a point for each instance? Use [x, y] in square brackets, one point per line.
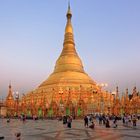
[92, 125]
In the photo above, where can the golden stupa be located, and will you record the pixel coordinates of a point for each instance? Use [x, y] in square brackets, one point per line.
[68, 69]
[69, 89]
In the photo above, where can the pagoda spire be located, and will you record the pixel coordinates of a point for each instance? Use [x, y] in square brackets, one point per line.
[69, 59]
[69, 28]
[9, 99]
[68, 67]
[126, 95]
[10, 95]
[117, 92]
[134, 91]
[123, 99]
[69, 37]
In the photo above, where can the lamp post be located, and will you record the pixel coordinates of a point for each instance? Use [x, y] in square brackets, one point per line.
[102, 104]
[102, 98]
[113, 107]
[61, 102]
[17, 102]
[93, 93]
[0, 107]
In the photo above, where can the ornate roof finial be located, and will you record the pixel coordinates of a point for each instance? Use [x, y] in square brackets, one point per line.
[117, 92]
[10, 84]
[69, 14]
[127, 91]
[69, 4]
[134, 91]
[68, 28]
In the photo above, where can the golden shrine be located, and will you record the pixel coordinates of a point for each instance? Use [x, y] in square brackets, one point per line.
[10, 102]
[70, 91]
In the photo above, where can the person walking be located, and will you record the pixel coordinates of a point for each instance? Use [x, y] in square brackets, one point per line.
[86, 121]
[126, 120]
[134, 120]
[123, 119]
[69, 121]
[91, 118]
[115, 122]
[107, 123]
[64, 119]
[100, 120]
[129, 120]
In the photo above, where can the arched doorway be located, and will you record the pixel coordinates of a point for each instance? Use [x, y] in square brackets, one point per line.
[53, 109]
[50, 112]
[81, 108]
[40, 112]
[69, 108]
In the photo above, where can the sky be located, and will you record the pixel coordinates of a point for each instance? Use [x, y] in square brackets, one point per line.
[106, 32]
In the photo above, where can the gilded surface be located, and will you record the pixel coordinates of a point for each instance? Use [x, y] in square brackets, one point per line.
[68, 87]
[70, 91]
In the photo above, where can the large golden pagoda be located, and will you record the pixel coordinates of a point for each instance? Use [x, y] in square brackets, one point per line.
[69, 69]
[69, 89]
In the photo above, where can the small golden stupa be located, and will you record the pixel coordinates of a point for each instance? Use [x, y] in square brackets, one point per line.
[69, 89]
[10, 102]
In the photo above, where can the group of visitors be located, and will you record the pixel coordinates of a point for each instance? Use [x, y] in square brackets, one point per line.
[67, 120]
[23, 117]
[103, 119]
[88, 121]
[110, 120]
[130, 120]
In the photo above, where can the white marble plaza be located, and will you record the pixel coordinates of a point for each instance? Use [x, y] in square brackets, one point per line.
[55, 130]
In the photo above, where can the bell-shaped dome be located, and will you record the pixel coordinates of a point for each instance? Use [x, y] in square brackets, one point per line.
[68, 68]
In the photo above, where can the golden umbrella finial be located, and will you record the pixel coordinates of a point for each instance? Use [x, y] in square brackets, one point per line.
[69, 14]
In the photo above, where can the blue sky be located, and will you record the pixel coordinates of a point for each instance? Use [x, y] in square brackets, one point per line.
[107, 37]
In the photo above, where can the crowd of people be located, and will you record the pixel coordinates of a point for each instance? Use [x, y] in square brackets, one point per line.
[129, 120]
[111, 120]
[89, 120]
[67, 120]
